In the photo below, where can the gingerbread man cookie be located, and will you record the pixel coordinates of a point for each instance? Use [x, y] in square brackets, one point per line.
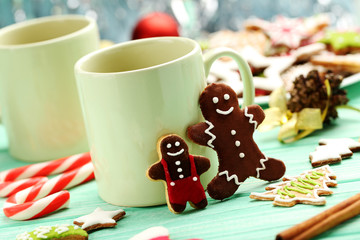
[181, 173]
[229, 131]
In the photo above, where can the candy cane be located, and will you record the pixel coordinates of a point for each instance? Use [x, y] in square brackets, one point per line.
[32, 201]
[46, 168]
[11, 187]
[35, 209]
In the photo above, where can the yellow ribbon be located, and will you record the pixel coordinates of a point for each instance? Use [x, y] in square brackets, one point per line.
[294, 126]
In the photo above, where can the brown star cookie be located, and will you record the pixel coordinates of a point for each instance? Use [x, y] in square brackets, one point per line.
[99, 219]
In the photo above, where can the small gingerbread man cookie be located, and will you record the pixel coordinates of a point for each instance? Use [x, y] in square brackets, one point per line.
[229, 131]
[181, 173]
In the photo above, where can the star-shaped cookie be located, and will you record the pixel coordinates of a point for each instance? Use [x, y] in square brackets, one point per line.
[99, 219]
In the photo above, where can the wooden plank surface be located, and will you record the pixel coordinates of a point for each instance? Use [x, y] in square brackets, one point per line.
[238, 217]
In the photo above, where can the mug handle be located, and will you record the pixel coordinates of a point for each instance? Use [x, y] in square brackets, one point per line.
[245, 72]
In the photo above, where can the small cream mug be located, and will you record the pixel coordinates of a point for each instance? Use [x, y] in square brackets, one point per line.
[39, 101]
[135, 92]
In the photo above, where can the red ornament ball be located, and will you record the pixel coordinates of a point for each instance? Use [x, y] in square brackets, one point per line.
[156, 24]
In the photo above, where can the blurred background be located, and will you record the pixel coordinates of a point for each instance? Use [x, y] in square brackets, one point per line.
[196, 18]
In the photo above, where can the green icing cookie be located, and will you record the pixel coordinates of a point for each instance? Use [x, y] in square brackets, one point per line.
[340, 40]
[52, 232]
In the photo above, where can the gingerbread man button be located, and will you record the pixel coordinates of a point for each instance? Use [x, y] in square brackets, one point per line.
[229, 131]
[180, 172]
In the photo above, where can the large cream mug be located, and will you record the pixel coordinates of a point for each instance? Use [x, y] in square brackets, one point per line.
[132, 94]
[39, 101]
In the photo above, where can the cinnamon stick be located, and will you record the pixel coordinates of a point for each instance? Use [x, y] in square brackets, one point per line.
[323, 221]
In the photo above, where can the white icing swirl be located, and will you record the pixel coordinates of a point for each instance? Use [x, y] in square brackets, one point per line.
[227, 112]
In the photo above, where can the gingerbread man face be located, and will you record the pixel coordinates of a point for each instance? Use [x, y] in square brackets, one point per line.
[218, 100]
[173, 147]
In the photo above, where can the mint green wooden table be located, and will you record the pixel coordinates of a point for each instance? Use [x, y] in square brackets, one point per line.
[238, 217]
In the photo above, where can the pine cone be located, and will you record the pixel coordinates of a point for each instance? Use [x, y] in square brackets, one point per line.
[310, 92]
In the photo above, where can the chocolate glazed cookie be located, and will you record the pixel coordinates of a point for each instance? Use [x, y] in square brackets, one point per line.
[229, 131]
[181, 173]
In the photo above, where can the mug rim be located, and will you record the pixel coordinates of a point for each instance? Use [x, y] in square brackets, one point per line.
[79, 64]
[90, 24]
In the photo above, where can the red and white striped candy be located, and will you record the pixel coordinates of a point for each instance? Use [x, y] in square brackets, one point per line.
[30, 201]
[63, 181]
[36, 209]
[46, 168]
[11, 187]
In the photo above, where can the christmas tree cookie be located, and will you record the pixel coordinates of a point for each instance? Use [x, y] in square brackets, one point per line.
[305, 188]
[342, 42]
[333, 151]
[58, 232]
